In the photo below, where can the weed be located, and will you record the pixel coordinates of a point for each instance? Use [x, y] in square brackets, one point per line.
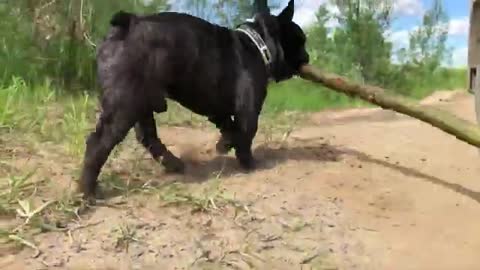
[29, 212]
[67, 206]
[76, 122]
[210, 198]
[178, 194]
[9, 96]
[18, 196]
[14, 189]
[16, 238]
[125, 235]
[112, 182]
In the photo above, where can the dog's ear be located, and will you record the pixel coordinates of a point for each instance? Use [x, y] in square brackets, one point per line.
[287, 14]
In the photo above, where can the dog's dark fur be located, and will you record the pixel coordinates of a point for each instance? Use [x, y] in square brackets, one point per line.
[212, 70]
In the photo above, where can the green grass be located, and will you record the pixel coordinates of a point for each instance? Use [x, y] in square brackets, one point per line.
[300, 95]
[24, 107]
[444, 79]
[303, 96]
[51, 115]
[44, 113]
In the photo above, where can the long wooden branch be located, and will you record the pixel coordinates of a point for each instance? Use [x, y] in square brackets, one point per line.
[460, 128]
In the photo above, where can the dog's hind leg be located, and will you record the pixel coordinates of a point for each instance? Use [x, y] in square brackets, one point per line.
[227, 128]
[146, 133]
[113, 125]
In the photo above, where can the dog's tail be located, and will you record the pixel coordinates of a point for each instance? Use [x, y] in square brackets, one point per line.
[122, 19]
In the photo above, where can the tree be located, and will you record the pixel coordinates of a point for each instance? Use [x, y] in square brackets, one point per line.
[233, 12]
[319, 42]
[55, 39]
[427, 48]
[421, 61]
[360, 37]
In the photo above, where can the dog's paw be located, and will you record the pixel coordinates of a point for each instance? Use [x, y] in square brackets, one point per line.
[223, 146]
[85, 203]
[172, 164]
[248, 163]
[86, 193]
[90, 197]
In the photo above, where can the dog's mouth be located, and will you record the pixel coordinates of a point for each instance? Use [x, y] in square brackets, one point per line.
[297, 65]
[286, 73]
[291, 69]
[304, 60]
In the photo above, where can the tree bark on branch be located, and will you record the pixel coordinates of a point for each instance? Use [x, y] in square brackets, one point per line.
[449, 123]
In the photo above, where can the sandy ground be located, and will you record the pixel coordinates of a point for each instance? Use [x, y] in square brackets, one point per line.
[355, 189]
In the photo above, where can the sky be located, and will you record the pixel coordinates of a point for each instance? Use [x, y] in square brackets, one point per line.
[408, 14]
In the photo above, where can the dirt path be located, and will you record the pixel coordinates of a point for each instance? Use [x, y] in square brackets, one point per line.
[358, 189]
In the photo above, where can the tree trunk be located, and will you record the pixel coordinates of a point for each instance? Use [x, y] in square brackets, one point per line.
[261, 6]
[462, 129]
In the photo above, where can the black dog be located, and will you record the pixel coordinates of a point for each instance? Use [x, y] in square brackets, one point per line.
[212, 70]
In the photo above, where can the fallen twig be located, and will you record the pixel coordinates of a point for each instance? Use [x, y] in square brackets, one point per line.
[29, 244]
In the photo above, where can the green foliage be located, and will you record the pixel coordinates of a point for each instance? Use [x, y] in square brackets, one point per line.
[225, 12]
[427, 47]
[55, 40]
[357, 47]
[359, 39]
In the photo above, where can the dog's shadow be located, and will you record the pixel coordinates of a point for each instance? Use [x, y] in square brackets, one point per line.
[221, 166]
[268, 157]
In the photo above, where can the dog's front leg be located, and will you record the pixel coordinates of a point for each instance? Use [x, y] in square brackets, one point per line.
[248, 106]
[243, 139]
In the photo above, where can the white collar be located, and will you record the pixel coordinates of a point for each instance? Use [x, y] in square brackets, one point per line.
[259, 43]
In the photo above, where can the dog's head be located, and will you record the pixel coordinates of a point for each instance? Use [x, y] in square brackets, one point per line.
[286, 41]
